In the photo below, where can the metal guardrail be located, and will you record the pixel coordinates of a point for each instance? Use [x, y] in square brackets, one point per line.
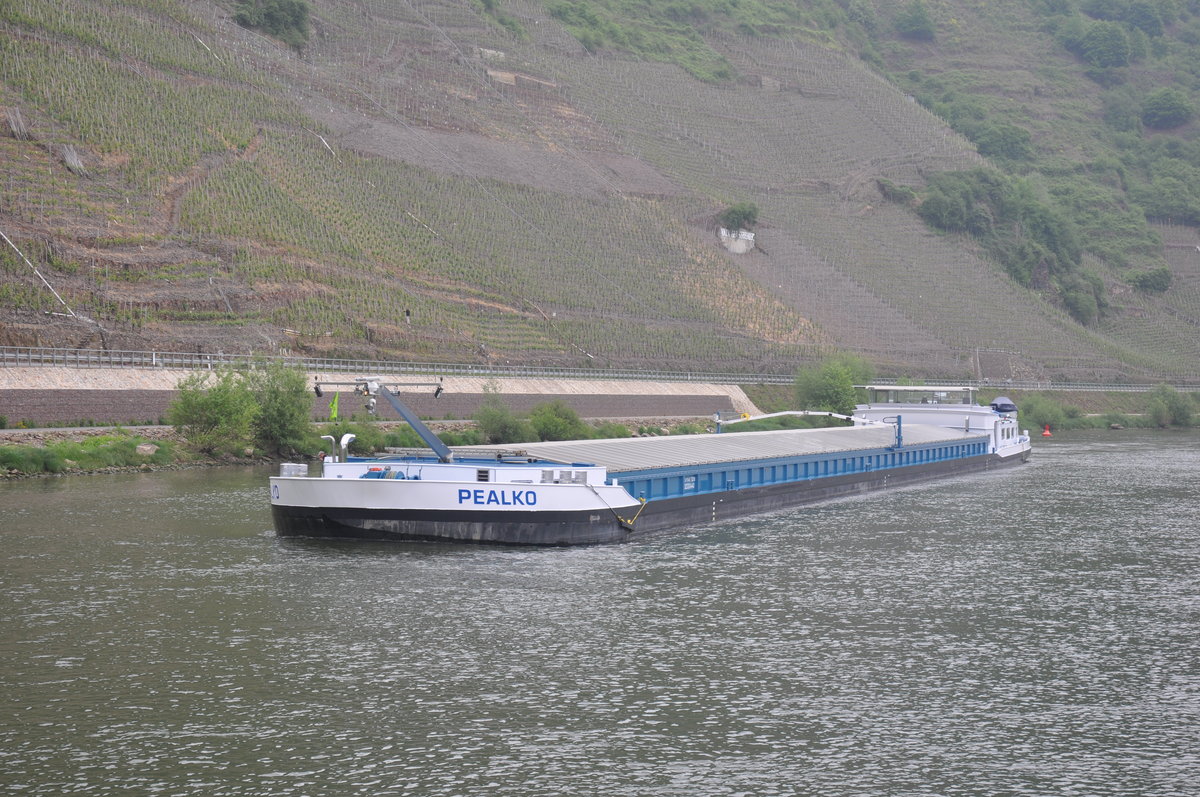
[30, 356]
[35, 356]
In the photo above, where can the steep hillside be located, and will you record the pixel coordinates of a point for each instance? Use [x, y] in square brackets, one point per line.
[447, 181]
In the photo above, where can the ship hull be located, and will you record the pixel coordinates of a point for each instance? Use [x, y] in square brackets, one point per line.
[599, 524]
[433, 525]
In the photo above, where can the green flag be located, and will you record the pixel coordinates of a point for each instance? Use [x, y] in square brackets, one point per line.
[333, 406]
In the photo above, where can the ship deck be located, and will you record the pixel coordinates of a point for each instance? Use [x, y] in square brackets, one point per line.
[622, 455]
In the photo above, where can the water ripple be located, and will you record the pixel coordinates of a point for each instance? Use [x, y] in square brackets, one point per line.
[1026, 633]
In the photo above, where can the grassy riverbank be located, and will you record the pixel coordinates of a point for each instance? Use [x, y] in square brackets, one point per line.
[38, 452]
[95, 452]
[1061, 410]
[48, 451]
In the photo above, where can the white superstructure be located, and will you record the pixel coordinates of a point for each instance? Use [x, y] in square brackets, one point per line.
[952, 407]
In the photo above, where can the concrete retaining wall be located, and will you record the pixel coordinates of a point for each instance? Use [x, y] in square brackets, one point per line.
[40, 396]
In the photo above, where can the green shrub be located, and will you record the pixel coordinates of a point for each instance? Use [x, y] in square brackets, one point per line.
[900, 194]
[862, 12]
[23, 459]
[227, 410]
[1167, 197]
[1081, 303]
[214, 411]
[1155, 280]
[403, 437]
[1147, 17]
[611, 430]
[511, 24]
[830, 386]
[1105, 45]
[1026, 233]
[461, 437]
[1002, 140]
[283, 422]
[556, 420]
[914, 22]
[741, 216]
[1122, 111]
[1168, 407]
[368, 437]
[286, 20]
[1038, 411]
[688, 428]
[1166, 108]
[498, 424]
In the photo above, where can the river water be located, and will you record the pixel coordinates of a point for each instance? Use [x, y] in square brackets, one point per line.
[1031, 632]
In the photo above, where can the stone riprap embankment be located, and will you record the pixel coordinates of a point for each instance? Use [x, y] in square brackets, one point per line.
[57, 395]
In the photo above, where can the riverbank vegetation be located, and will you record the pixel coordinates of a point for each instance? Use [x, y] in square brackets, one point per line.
[1161, 408]
[266, 410]
[830, 386]
[264, 413]
[102, 452]
[266, 406]
[494, 423]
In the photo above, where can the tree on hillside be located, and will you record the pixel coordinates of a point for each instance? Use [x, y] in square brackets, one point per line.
[862, 12]
[1122, 110]
[914, 22]
[1035, 242]
[741, 216]
[1145, 16]
[1002, 140]
[1168, 198]
[1166, 108]
[1154, 280]
[1083, 296]
[944, 210]
[1111, 10]
[1105, 45]
[286, 20]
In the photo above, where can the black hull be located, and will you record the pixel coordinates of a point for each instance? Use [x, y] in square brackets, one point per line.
[514, 528]
[591, 528]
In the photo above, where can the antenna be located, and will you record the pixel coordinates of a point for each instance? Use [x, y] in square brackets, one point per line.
[372, 387]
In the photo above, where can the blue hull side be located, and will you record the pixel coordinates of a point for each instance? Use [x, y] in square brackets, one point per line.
[734, 504]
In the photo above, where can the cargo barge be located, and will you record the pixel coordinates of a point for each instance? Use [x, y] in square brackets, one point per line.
[613, 490]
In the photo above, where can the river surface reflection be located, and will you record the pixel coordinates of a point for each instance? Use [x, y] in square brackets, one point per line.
[1029, 632]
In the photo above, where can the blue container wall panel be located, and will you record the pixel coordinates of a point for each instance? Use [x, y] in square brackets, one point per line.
[701, 479]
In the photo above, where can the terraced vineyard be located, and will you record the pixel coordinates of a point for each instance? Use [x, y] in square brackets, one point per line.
[420, 184]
